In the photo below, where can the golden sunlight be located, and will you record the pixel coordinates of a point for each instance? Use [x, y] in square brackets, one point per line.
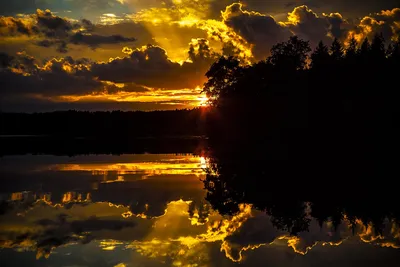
[203, 101]
[182, 165]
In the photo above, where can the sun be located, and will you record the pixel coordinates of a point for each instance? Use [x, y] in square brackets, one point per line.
[203, 101]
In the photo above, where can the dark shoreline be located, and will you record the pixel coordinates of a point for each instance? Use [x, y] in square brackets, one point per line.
[73, 146]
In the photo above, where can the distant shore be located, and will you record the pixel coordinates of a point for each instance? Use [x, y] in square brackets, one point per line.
[73, 146]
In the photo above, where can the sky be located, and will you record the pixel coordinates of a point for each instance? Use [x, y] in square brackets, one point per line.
[153, 54]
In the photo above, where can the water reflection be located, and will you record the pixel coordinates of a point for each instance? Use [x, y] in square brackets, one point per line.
[152, 210]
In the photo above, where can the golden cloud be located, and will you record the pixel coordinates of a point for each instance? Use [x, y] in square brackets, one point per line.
[386, 22]
[177, 234]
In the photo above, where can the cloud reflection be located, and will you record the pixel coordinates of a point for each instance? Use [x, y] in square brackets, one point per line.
[167, 223]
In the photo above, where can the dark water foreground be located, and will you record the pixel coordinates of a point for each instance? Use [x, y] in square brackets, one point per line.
[196, 207]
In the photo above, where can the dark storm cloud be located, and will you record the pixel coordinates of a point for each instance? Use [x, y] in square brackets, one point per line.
[338, 27]
[306, 24]
[258, 232]
[386, 22]
[150, 66]
[56, 77]
[125, 28]
[56, 31]
[23, 78]
[350, 9]
[10, 26]
[260, 30]
[89, 225]
[263, 31]
[250, 21]
[53, 26]
[5, 60]
[94, 40]
[61, 231]
[61, 45]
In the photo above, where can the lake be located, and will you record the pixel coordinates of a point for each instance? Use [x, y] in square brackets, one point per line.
[176, 210]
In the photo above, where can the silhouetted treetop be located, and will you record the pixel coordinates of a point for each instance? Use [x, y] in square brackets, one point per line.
[336, 50]
[320, 56]
[351, 50]
[290, 55]
[222, 77]
[365, 48]
[378, 47]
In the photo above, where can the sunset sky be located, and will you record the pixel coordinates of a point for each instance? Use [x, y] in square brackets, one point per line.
[153, 54]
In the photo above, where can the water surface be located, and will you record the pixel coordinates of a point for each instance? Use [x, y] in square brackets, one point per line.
[159, 210]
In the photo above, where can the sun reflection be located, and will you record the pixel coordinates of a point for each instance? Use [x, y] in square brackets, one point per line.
[203, 162]
[182, 165]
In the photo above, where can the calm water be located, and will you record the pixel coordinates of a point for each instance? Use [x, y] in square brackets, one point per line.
[151, 210]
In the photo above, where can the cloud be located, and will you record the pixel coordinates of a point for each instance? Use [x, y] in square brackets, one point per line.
[5, 60]
[143, 75]
[306, 24]
[94, 40]
[150, 66]
[245, 33]
[338, 26]
[56, 229]
[55, 77]
[53, 26]
[10, 26]
[52, 30]
[386, 22]
[259, 30]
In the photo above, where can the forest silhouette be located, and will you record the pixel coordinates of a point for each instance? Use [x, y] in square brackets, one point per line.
[338, 104]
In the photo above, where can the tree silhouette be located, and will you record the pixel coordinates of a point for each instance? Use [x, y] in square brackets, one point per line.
[378, 52]
[320, 56]
[336, 50]
[364, 50]
[395, 51]
[290, 55]
[222, 77]
[351, 50]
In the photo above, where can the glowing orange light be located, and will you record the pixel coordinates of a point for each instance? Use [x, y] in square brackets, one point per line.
[203, 101]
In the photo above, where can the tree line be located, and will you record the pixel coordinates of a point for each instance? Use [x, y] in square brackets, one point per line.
[111, 124]
[334, 100]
